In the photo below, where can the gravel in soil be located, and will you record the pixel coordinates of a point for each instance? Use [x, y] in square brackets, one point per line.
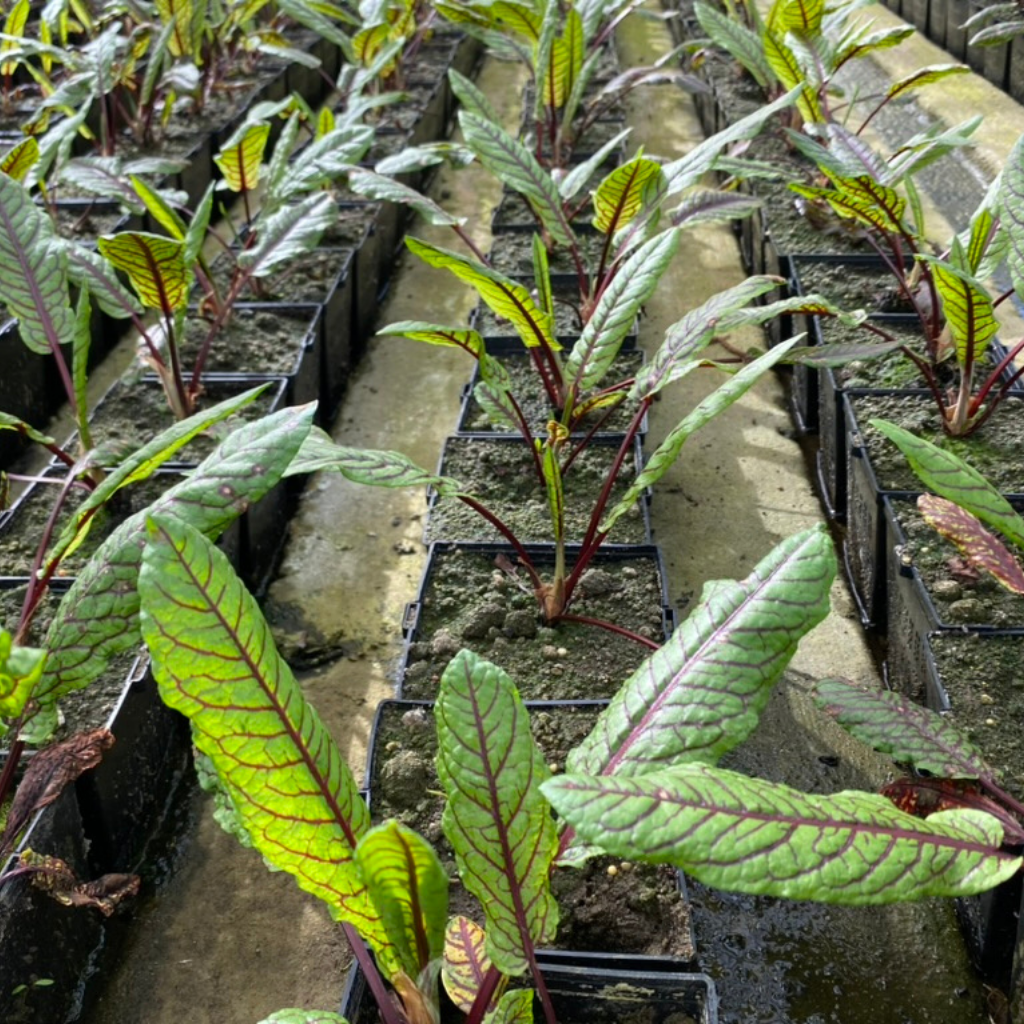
[891, 369]
[533, 399]
[982, 676]
[606, 906]
[994, 450]
[567, 317]
[503, 476]
[512, 255]
[961, 597]
[853, 287]
[349, 229]
[470, 602]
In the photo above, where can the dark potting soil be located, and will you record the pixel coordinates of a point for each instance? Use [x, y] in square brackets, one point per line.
[470, 602]
[84, 709]
[533, 400]
[514, 209]
[982, 676]
[86, 224]
[349, 229]
[21, 535]
[253, 341]
[960, 597]
[311, 277]
[512, 255]
[578, 144]
[994, 450]
[503, 476]
[606, 906]
[131, 414]
[852, 287]
[891, 369]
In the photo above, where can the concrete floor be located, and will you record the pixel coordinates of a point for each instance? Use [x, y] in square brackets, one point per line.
[227, 942]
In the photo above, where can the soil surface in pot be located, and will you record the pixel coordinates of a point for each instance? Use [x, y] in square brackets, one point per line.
[131, 414]
[994, 450]
[253, 341]
[503, 476]
[470, 602]
[982, 676]
[349, 230]
[961, 596]
[21, 535]
[606, 906]
[853, 287]
[311, 277]
[889, 370]
[514, 209]
[512, 254]
[87, 223]
[567, 317]
[81, 710]
[533, 399]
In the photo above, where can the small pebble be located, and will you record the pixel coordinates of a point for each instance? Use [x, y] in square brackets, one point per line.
[612, 870]
[554, 767]
[393, 746]
[986, 699]
[991, 721]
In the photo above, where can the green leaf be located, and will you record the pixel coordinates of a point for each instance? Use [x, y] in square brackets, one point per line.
[925, 76]
[89, 269]
[155, 266]
[20, 670]
[297, 1016]
[34, 285]
[764, 838]
[625, 192]
[507, 298]
[9, 422]
[947, 474]
[159, 209]
[292, 231]
[495, 818]
[409, 889]
[14, 26]
[786, 68]
[466, 962]
[861, 199]
[968, 310]
[1011, 207]
[98, 617]
[704, 206]
[514, 1007]
[632, 286]
[435, 334]
[688, 169]
[320, 454]
[883, 39]
[542, 275]
[143, 463]
[802, 17]
[18, 160]
[472, 98]
[909, 733]
[702, 693]
[669, 449]
[976, 544]
[240, 157]
[694, 332]
[511, 162]
[577, 178]
[216, 663]
[743, 44]
[379, 186]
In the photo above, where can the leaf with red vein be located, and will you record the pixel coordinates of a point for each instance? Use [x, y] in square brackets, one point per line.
[515, 1007]
[216, 663]
[294, 1015]
[98, 617]
[980, 548]
[409, 888]
[465, 962]
[240, 157]
[495, 817]
[702, 693]
[759, 837]
[155, 266]
[894, 725]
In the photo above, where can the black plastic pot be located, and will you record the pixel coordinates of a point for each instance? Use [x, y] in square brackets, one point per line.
[23, 389]
[591, 989]
[955, 40]
[125, 798]
[40, 940]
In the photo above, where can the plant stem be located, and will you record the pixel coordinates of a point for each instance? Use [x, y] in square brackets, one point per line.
[484, 995]
[388, 1011]
[506, 533]
[586, 620]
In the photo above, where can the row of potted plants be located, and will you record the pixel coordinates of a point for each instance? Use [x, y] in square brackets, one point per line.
[925, 357]
[113, 807]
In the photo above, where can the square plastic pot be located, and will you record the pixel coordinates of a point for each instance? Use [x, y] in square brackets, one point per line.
[40, 940]
[591, 989]
[957, 12]
[24, 390]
